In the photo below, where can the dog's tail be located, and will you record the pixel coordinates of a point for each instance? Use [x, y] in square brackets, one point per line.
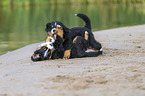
[86, 19]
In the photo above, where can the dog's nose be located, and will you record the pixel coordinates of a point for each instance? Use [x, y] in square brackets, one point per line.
[54, 30]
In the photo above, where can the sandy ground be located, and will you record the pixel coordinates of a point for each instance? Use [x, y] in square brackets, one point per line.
[119, 72]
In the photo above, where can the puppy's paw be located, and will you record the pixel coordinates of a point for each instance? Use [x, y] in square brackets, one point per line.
[66, 54]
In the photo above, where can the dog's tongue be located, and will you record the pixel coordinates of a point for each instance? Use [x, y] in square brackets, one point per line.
[54, 36]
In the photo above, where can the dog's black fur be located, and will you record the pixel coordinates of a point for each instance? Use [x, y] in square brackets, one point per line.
[67, 38]
[78, 50]
[59, 49]
[66, 41]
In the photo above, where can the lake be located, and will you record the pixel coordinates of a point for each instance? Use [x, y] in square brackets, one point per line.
[20, 26]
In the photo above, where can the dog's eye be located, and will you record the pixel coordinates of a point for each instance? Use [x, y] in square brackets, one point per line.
[59, 27]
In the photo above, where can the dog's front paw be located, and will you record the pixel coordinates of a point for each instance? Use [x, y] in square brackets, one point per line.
[66, 54]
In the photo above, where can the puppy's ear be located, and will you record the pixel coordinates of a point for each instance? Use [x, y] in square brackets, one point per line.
[59, 31]
[65, 29]
[48, 25]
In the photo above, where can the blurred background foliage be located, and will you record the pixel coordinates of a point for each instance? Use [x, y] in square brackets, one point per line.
[58, 2]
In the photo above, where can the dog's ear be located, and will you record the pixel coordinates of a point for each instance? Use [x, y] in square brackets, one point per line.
[48, 26]
[59, 31]
[65, 29]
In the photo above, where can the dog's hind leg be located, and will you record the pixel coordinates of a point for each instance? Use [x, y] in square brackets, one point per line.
[79, 47]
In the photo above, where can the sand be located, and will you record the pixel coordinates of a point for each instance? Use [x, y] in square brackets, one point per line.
[120, 71]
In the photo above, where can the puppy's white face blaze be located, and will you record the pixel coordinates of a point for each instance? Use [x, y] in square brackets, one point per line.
[53, 31]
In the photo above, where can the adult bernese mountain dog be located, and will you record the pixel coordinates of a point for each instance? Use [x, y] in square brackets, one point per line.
[65, 38]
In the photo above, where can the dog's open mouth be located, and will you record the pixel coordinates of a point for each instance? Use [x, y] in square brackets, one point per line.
[54, 36]
[36, 56]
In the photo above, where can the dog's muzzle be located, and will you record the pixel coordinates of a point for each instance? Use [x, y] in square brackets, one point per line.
[53, 31]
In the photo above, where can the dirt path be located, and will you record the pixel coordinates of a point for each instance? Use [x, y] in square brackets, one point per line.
[119, 72]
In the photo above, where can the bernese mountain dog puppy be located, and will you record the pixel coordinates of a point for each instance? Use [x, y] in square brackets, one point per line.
[78, 50]
[66, 36]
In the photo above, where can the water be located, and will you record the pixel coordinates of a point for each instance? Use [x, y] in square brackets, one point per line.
[20, 26]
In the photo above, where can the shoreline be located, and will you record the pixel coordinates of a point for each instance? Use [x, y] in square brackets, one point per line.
[120, 71]
[93, 32]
